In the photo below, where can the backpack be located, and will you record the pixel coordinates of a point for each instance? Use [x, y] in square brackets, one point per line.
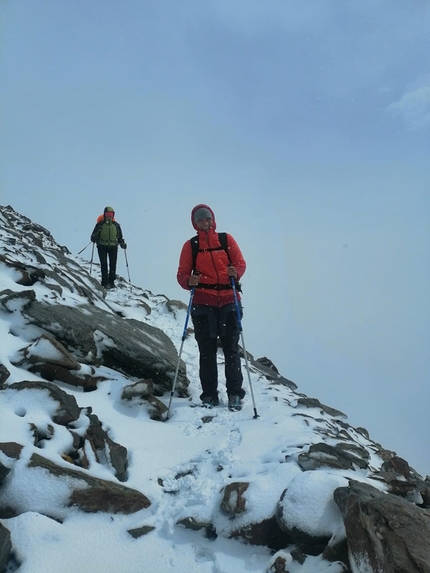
[108, 233]
[195, 247]
[223, 240]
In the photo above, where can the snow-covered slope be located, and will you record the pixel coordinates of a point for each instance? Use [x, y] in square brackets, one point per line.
[183, 465]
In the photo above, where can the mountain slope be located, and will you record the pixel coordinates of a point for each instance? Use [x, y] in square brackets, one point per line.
[93, 480]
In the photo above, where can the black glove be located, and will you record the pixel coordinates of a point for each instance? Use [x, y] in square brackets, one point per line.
[123, 245]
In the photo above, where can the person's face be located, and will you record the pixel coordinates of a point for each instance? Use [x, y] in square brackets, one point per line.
[204, 224]
[109, 214]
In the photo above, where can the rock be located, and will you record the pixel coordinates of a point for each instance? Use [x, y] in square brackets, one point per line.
[266, 533]
[175, 305]
[384, 532]
[307, 513]
[198, 525]
[268, 364]
[3, 473]
[425, 492]
[144, 389]
[403, 480]
[286, 561]
[4, 374]
[269, 370]
[314, 403]
[80, 490]
[95, 438]
[323, 455]
[97, 494]
[68, 410]
[102, 443]
[47, 349]
[354, 449]
[13, 301]
[5, 546]
[56, 373]
[233, 501]
[138, 532]
[126, 345]
[278, 565]
[52, 361]
[156, 409]
[397, 465]
[11, 449]
[140, 389]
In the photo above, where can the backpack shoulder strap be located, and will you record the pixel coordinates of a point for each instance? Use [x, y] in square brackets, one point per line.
[223, 240]
[194, 249]
[195, 246]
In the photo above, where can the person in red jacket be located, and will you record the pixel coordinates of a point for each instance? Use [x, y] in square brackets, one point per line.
[213, 309]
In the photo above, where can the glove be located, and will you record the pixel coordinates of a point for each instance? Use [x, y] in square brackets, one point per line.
[123, 245]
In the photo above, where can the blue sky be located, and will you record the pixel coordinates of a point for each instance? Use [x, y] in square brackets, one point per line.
[305, 126]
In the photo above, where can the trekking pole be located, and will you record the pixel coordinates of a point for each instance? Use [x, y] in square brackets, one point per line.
[184, 334]
[128, 270]
[92, 257]
[82, 250]
[233, 285]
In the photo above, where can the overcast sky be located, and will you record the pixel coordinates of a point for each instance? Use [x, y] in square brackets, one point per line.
[304, 125]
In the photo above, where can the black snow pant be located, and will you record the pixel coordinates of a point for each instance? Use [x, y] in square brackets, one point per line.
[108, 274]
[210, 324]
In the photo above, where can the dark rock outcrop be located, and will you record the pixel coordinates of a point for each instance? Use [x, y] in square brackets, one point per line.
[233, 500]
[315, 403]
[270, 372]
[5, 546]
[68, 410]
[96, 337]
[4, 374]
[384, 532]
[266, 533]
[3, 472]
[103, 448]
[138, 532]
[11, 449]
[86, 492]
[323, 455]
[91, 330]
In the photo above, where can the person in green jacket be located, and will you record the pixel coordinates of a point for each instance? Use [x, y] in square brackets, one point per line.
[107, 234]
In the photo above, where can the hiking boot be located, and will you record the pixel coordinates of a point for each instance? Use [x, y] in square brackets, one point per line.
[234, 403]
[210, 401]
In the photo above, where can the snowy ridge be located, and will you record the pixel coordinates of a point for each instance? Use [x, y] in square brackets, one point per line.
[182, 465]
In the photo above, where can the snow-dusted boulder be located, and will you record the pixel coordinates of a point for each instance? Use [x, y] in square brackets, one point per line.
[40, 485]
[5, 546]
[385, 532]
[307, 512]
[96, 337]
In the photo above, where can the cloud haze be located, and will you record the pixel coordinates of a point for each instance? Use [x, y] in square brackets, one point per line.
[305, 126]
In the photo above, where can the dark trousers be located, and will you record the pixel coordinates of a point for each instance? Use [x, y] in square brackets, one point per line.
[227, 331]
[105, 254]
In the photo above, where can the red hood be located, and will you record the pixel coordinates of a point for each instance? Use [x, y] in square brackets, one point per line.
[205, 207]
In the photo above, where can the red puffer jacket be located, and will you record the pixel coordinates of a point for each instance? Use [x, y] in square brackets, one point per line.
[212, 262]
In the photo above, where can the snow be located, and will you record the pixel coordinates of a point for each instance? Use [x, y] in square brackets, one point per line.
[193, 459]
[43, 348]
[309, 504]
